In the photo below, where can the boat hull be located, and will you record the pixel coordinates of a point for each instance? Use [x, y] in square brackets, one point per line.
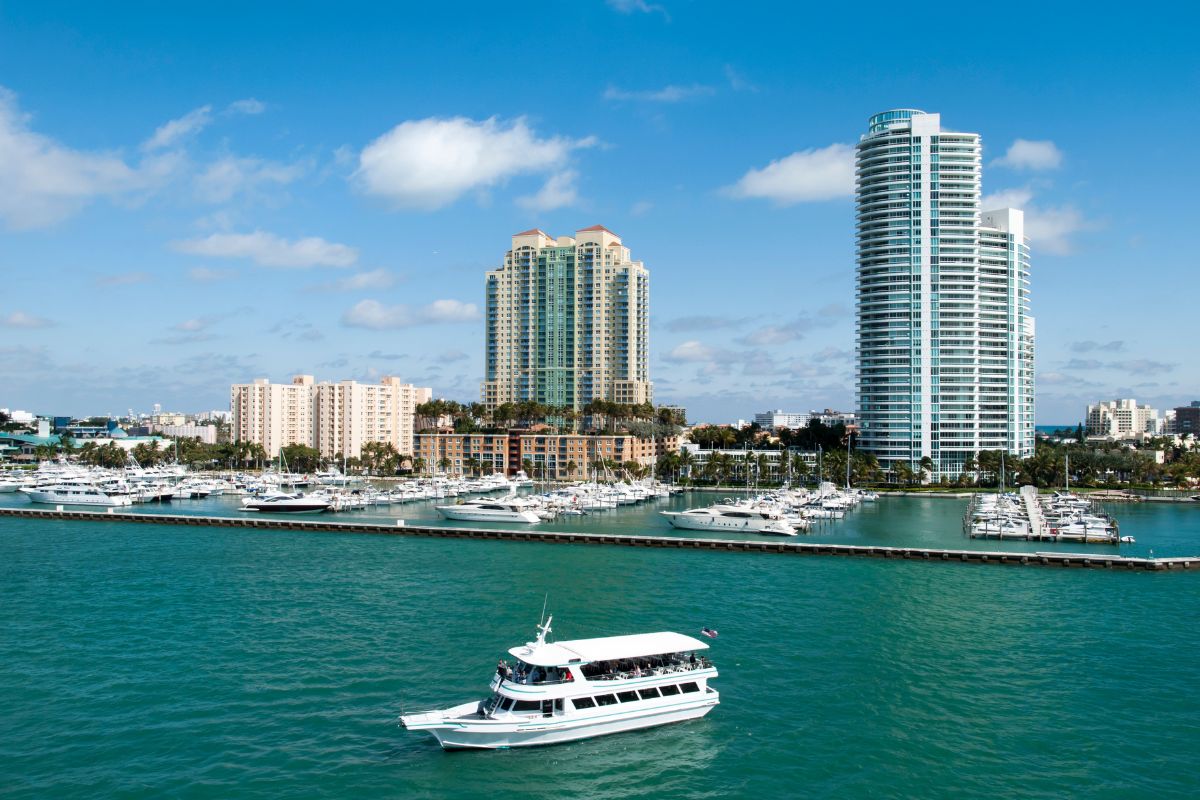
[540, 732]
[714, 523]
[52, 498]
[467, 515]
[271, 508]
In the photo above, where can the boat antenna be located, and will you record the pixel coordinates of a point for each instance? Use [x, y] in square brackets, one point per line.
[542, 618]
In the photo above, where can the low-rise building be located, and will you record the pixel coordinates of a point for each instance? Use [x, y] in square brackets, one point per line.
[774, 420]
[552, 456]
[1122, 419]
[205, 433]
[1187, 419]
[767, 464]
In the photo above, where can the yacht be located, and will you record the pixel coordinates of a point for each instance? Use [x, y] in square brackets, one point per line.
[284, 503]
[75, 494]
[725, 518]
[563, 691]
[504, 510]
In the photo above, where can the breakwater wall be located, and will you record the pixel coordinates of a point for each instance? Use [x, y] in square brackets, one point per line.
[773, 546]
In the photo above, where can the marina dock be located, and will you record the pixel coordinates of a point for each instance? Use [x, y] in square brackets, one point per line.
[774, 546]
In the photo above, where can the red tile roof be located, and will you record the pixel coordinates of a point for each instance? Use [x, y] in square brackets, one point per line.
[597, 228]
[532, 231]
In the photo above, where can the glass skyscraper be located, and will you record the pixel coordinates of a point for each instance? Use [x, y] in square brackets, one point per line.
[944, 337]
[568, 322]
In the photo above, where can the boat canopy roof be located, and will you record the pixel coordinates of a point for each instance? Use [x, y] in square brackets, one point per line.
[609, 648]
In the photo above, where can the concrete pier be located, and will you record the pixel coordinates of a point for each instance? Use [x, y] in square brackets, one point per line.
[774, 545]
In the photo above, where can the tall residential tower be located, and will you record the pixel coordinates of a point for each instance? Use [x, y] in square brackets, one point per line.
[944, 335]
[567, 322]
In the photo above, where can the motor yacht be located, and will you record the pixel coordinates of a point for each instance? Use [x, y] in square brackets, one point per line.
[563, 691]
[75, 494]
[726, 518]
[284, 503]
[508, 509]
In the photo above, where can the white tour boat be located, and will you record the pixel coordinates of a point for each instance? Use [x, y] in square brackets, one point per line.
[481, 510]
[75, 494]
[562, 691]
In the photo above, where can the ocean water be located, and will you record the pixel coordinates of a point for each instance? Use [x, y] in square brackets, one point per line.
[156, 661]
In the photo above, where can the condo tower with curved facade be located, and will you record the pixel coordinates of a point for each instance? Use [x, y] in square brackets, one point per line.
[944, 337]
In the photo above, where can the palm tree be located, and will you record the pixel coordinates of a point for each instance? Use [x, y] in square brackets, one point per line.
[571, 467]
[418, 464]
[444, 464]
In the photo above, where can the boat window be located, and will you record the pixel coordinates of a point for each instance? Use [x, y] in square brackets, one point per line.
[606, 699]
[527, 705]
[506, 703]
[628, 697]
[669, 690]
[584, 702]
[648, 694]
[689, 687]
[738, 514]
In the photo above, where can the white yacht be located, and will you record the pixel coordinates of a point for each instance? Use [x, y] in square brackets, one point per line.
[75, 494]
[727, 518]
[508, 509]
[284, 503]
[562, 691]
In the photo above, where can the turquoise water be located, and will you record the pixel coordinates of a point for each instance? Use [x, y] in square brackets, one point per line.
[159, 661]
[922, 521]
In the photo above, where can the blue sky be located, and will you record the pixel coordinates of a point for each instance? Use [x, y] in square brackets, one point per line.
[198, 194]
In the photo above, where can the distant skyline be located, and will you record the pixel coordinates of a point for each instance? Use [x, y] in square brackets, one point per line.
[190, 199]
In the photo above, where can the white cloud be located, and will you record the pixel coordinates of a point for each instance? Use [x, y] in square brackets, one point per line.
[376, 316]
[172, 132]
[430, 163]
[822, 173]
[778, 334]
[1007, 198]
[737, 81]
[43, 182]
[1031, 155]
[19, 319]
[667, 94]
[1049, 228]
[558, 191]
[692, 352]
[640, 208]
[270, 250]
[230, 175]
[247, 106]
[636, 7]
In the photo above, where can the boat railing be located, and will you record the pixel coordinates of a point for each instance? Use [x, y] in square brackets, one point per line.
[649, 672]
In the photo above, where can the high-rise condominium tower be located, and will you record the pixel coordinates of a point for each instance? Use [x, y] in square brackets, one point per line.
[944, 335]
[567, 322]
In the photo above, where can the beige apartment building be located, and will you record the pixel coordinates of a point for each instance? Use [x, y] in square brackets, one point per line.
[350, 414]
[331, 417]
[567, 322]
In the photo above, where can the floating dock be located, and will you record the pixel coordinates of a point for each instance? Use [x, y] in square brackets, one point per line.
[628, 540]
